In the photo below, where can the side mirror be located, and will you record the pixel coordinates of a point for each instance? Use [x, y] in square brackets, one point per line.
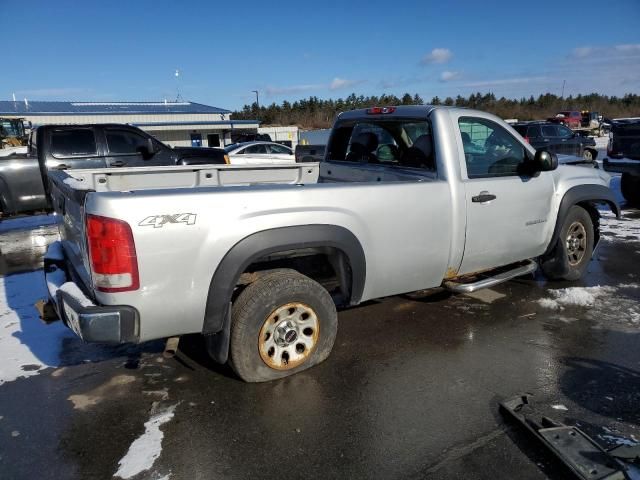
[545, 161]
[149, 150]
[151, 147]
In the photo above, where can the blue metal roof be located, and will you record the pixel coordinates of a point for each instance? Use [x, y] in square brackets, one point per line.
[36, 107]
[212, 122]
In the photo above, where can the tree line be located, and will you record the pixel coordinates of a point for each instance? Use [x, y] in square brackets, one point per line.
[314, 112]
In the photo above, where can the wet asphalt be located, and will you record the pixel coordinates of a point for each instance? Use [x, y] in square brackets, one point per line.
[411, 389]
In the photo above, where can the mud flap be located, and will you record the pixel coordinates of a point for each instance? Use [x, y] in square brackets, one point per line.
[218, 343]
[579, 452]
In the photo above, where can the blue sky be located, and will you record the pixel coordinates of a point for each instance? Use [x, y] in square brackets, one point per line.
[129, 50]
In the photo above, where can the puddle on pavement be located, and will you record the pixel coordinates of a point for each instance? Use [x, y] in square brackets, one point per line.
[23, 249]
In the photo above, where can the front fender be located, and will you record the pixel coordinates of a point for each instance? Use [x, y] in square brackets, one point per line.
[581, 194]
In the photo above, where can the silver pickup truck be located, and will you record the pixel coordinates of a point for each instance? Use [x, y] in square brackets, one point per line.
[258, 258]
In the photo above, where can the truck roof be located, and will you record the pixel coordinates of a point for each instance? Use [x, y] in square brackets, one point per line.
[85, 125]
[410, 111]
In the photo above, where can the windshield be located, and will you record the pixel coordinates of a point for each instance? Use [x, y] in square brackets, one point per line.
[12, 128]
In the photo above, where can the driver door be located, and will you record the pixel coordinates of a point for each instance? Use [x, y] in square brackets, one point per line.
[507, 211]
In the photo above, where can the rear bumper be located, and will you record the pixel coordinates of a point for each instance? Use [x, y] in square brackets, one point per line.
[623, 165]
[92, 323]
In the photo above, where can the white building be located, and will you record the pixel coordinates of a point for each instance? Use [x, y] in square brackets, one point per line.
[174, 123]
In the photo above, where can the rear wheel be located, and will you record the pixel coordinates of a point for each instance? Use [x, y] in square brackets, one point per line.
[281, 324]
[572, 253]
[630, 186]
[587, 155]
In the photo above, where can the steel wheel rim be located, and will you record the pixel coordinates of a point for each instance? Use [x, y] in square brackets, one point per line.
[576, 243]
[288, 336]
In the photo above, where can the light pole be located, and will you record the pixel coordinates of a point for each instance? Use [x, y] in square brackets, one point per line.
[257, 99]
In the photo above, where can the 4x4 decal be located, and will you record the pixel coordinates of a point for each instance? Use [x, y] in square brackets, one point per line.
[157, 221]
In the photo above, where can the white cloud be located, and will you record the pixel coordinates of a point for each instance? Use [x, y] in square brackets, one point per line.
[437, 55]
[447, 76]
[622, 50]
[338, 83]
[582, 52]
[628, 48]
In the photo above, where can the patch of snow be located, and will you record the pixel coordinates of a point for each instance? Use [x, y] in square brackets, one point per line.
[559, 407]
[27, 345]
[603, 305]
[146, 449]
[618, 440]
[629, 285]
[27, 223]
[574, 296]
[625, 228]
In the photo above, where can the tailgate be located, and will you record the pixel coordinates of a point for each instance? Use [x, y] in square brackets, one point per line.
[68, 199]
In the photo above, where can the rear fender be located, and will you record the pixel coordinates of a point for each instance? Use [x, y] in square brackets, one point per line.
[258, 245]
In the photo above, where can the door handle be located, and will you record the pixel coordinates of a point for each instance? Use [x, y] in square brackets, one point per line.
[62, 166]
[483, 197]
[117, 163]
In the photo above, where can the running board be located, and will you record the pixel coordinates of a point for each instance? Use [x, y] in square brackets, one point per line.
[497, 279]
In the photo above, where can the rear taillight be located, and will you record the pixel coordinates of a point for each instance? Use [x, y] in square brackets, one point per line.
[526, 139]
[112, 254]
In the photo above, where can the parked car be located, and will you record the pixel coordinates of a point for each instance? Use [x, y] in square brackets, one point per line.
[85, 146]
[407, 198]
[248, 153]
[623, 152]
[570, 118]
[557, 139]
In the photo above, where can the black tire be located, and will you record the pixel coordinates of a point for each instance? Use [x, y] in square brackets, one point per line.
[262, 312]
[630, 186]
[572, 253]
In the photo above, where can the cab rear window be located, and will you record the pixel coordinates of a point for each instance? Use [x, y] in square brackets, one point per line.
[397, 142]
[72, 143]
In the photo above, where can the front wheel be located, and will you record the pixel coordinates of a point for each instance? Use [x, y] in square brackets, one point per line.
[572, 253]
[281, 324]
[587, 155]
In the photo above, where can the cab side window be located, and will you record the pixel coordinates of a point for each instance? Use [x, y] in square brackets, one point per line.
[489, 149]
[123, 142]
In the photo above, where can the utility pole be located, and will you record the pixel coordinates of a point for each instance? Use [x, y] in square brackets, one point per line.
[257, 99]
[562, 94]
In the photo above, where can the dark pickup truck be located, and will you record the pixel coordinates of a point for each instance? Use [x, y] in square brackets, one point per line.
[623, 156]
[85, 146]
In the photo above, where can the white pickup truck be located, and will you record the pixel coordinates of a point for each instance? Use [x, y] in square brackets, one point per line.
[257, 258]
